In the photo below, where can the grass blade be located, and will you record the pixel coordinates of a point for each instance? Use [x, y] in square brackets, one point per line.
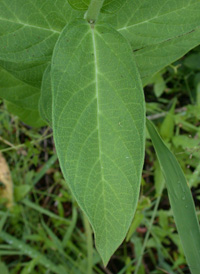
[180, 199]
[43, 171]
[31, 252]
[44, 211]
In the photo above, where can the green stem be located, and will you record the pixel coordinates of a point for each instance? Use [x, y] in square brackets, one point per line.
[93, 10]
[88, 232]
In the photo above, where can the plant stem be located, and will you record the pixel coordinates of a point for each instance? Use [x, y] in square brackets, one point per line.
[16, 147]
[93, 10]
[88, 233]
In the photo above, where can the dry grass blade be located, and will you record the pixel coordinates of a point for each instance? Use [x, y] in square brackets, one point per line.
[180, 199]
[6, 185]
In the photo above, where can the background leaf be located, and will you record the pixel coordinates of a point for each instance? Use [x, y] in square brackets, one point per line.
[28, 33]
[22, 99]
[98, 123]
[153, 58]
[109, 6]
[180, 199]
[26, 114]
[147, 22]
[193, 61]
[79, 4]
[160, 32]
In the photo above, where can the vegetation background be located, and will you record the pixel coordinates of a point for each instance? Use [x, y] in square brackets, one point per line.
[42, 230]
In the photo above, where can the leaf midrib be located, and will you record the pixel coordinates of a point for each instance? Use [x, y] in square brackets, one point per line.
[97, 98]
[98, 118]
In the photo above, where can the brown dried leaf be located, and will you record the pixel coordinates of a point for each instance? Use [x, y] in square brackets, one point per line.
[6, 184]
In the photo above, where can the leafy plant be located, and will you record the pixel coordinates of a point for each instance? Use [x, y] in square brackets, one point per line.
[82, 72]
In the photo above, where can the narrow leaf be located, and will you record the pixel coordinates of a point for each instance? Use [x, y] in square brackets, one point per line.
[180, 199]
[98, 123]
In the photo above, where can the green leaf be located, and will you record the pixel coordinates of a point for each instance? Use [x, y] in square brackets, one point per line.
[109, 6]
[180, 199]
[159, 84]
[98, 122]
[158, 179]
[160, 32]
[38, 21]
[147, 22]
[45, 102]
[28, 33]
[193, 61]
[27, 115]
[3, 268]
[21, 191]
[30, 73]
[167, 126]
[154, 58]
[112, 6]
[22, 98]
[79, 4]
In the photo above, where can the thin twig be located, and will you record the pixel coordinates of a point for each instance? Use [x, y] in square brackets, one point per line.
[24, 145]
[6, 142]
[163, 114]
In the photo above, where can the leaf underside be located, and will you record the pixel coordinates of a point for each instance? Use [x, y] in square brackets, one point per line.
[98, 123]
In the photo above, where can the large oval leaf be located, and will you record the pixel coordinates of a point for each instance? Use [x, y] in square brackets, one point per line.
[98, 123]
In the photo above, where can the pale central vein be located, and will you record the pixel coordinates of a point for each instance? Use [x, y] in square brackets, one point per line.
[97, 97]
[97, 90]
